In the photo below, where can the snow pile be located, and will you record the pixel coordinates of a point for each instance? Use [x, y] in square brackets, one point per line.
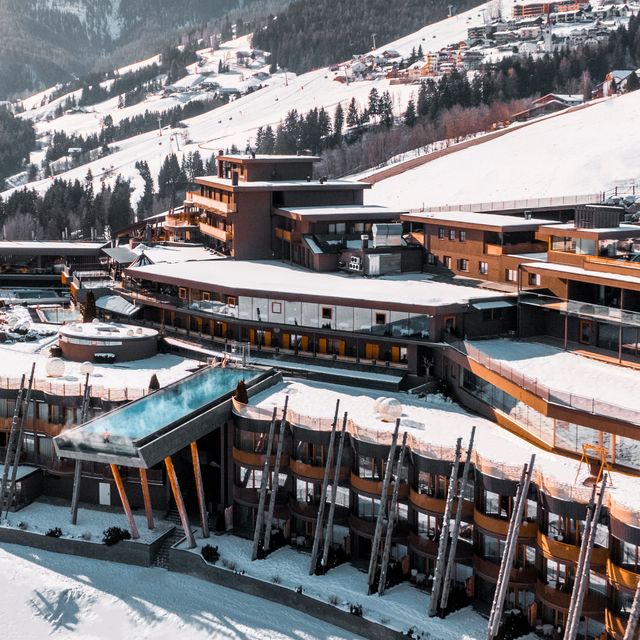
[534, 161]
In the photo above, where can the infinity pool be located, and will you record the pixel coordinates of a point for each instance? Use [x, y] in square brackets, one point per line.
[121, 431]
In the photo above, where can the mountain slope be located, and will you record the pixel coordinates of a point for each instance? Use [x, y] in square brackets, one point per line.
[576, 153]
[43, 42]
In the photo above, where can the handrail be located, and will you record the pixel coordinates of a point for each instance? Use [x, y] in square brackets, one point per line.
[552, 396]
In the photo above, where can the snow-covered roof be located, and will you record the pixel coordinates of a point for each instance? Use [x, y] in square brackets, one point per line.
[498, 221]
[433, 425]
[282, 184]
[341, 212]
[47, 246]
[579, 271]
[172, 254]
[263, 277]
[263, 157]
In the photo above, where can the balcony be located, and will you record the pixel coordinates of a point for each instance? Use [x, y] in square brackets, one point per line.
[374, 487]
[622, 577]
[214, 232]
[366, 527]
[309, 511]
[437, 505]
[288, 236]
[558, 550]
[251, 459]
[251, 497]
[314, 472]
[616, 626]
[560, 598]
[520, 247]
[179, 222]
[490, 570]
[500, 526]
[209, 204]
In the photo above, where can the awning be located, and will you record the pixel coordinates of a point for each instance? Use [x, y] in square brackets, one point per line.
[494, 304]
[116, 304]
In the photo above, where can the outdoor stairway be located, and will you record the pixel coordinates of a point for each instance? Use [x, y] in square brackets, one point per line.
[162, 556]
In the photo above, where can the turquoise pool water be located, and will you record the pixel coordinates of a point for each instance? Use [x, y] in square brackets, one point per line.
[120, 430]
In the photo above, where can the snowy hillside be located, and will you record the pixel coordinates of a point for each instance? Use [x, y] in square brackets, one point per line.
[237, 122]
[576, 153]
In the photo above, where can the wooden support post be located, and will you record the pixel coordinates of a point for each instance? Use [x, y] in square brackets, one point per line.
[11, 442]
[328, 534]
[323, 495]
[146, 497]
[177, 496]
[391, 519]
[377, 534]
[634, 616]
[75, 493]
[20, 436]
[444, 534]
[582, 583]
[197, 475]
[451, 562]
[583, 552]
[510, 550]
[276, 476]
[125, 501]
[257, 534]
[77, 472]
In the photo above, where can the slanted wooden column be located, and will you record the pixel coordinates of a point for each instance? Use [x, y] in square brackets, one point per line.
[177, 496]
[146, 497]
[197, 474]
[77, 472]
[125, 501]
[634, 616]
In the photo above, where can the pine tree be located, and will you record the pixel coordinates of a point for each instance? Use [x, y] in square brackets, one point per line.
[353, 116]
[633, 84]
[374, 102]
[410, 114]
[145, 203]
[88, 309]
[338, 123]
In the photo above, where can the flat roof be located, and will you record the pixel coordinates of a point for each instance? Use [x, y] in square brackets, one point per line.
[45, 247]
[267, 159]
[340, 212]
[172, 254]
[472, 219]
[585, 274]
[277, 185]
[261, 277]
[570, 229]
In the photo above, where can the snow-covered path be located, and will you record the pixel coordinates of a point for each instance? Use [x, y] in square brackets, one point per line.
[47, 594]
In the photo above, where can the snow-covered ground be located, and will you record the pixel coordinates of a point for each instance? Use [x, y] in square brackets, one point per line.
[575, 153]
[401, 608]
[39, 517]
[53, 595]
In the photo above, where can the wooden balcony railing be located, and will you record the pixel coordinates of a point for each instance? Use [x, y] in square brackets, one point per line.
[616, 625]
[622, 577]
[500, 527]
[594, 604]
[374, 487]
[558, 550]
[490, 570]
[437, 505]
[214, 232]
[251, 459]
[209, 204]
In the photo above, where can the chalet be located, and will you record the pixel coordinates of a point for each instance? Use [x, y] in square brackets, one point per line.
[549, 103]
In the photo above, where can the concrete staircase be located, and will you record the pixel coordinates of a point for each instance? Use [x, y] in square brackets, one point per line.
[162, 556]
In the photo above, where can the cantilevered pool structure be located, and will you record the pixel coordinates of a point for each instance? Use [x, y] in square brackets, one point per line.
[150, 430]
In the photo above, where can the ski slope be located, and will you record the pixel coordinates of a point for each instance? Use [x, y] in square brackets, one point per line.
[237, 122]
[54, 595]
[575, 153]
